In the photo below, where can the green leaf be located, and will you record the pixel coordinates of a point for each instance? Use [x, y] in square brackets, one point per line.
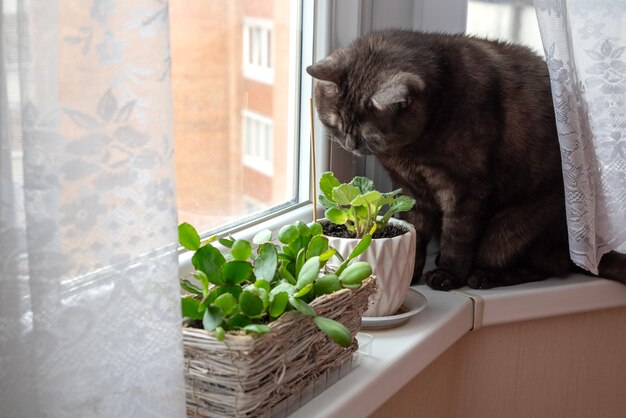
[227, 302]
[302, 306]
[204, 281]
[241, 250]
[327, 183]
[363, 184]
[325, 202]
[315, 228]
[309, 272]
[250, 304]
[300, 259]
[402, 204]
[260, 292]
[288, 234]
[219, 334]
[235, 272]
[336, 216]
[226, 242]
[238, 321]
[278, 304]
[288, 252]
[188, 236]
[286, 273]
[212, 318]
[190, 307]
[298, 244]
[326, 255]
[209, 240]
[360, 248]
[209, 260]
[258, 329]
[206, 301]
[234, 290]
[303, 229]
[371, 198]
[263, 284]
[266, 262]
[284, 257]
[362, 214]
[262, 236]
[304, 291]
[283, 287]
[351, 286]
[317, 246]
[385, 200]
[190, 287]
[326, 284]
[335, 330]
[345, 194]
[392, 193]
[355, 273]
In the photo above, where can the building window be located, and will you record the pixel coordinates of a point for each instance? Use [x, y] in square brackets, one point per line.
[258, 50]
[258, 142]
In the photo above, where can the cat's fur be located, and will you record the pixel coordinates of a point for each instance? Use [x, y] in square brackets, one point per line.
[466, 127]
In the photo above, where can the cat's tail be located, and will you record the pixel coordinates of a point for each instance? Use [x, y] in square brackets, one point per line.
[613, 266]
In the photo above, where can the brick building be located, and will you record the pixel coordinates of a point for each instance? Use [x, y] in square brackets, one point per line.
[230, 80]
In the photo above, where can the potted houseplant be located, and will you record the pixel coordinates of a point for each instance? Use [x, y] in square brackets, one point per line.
[355, 212]
[263, 323]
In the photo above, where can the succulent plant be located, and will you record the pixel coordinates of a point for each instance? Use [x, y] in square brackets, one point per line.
[358, 206]
[254, 283]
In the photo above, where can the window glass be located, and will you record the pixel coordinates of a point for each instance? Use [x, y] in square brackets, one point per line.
[507, 20]
[233, 82]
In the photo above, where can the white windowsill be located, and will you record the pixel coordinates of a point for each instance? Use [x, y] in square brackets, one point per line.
[577, 293]
[400, 354]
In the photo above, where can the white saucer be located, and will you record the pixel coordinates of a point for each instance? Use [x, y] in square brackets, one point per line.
[414, 303]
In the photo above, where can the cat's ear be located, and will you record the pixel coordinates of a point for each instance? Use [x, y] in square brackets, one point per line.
[329, 68]
[397, 91]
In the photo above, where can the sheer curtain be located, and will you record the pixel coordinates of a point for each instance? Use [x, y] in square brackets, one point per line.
[585, 46]
[89, 309]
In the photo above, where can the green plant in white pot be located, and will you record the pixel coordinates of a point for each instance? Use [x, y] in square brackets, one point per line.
[355, 211]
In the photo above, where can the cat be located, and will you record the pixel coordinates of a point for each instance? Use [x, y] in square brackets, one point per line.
[466, 127]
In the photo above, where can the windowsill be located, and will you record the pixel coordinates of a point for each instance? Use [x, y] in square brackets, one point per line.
[401, 353]
[552, 297]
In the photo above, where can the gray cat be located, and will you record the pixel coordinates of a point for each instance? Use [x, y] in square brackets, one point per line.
[466, 127]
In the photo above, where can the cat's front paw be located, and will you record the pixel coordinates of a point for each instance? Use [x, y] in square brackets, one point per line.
[443, 279]
[482, 279]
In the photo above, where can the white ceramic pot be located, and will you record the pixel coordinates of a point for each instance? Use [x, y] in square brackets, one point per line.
[392, 260]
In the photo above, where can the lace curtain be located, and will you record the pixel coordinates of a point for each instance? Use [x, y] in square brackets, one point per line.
[585, 47]
[89, 309]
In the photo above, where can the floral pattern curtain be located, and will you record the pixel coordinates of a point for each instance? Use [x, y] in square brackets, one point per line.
[585, 47]
[89, 305]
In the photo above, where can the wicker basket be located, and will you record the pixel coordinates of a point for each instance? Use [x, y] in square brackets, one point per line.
[244, 376]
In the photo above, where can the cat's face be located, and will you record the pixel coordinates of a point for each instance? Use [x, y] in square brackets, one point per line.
[367, 110]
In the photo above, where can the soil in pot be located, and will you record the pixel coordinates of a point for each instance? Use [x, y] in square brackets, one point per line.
[341, 231]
